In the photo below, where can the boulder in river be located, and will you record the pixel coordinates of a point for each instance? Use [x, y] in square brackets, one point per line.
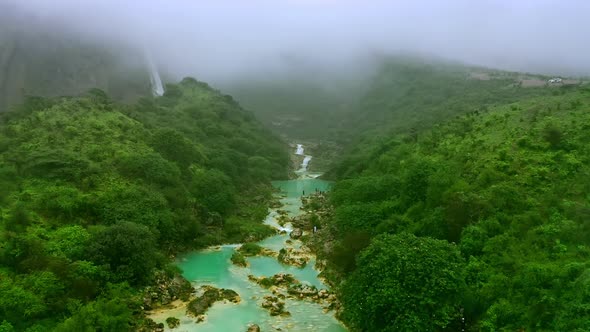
[230, 295]
[211, 295]
[294, 257]
[296, 233]
[253, 328]
[275, 306]
[279, 279]
[172, 322]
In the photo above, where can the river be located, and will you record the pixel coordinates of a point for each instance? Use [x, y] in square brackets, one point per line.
[213, 267]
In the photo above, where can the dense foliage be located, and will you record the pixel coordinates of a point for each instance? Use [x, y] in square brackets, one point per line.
[96, 195]
[408, 96]
[404, 283]
[507, 184]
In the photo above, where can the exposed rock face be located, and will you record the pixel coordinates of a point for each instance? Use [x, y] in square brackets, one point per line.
[201, 304]
[296, 233]
[39, 59]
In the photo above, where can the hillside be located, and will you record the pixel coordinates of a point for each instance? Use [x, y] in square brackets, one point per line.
[305, 108]
[37, 60]
[97, 195]
[409, 96]
[488, 209]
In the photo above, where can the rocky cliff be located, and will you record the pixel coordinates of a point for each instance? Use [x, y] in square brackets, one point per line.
[38, 59]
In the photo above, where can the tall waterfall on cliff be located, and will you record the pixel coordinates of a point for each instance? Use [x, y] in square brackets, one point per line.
[157, 87]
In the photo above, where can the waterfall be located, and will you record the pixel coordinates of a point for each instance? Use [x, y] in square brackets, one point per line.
[299, 151]
[157, 87]
[305, 162]
[306, 159]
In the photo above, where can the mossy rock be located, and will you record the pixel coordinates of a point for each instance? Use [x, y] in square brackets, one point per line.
[201, 304]
[250, 249]
[172, 322]
[238, 259]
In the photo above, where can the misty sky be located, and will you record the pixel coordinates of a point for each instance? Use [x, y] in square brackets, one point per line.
[213, 39]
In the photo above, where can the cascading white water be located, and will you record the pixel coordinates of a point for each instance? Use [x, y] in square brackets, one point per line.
[305, 163]
[157, 87]
[299, 151]
[306, 159]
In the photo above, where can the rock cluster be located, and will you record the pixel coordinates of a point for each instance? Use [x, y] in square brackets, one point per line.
[296, 233]
[295, 257]
[322, 296]
[275, 306]
[279, 279]
[281, 283]
[165, 290]
[252, 249]
[150, 326]
[283, 217]
[210, 295]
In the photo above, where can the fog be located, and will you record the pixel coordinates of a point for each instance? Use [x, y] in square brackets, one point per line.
[219, 40]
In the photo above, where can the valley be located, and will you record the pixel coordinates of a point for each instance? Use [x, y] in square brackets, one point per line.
[293, 166]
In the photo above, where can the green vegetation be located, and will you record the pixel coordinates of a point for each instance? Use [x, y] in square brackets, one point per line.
[409, 96]
[172, 322]
[96, 195]
[497, 195]
[250, 249]
[238, 259]
[404, 283]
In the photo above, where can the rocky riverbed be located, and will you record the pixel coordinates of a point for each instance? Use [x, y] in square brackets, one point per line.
[270, 285]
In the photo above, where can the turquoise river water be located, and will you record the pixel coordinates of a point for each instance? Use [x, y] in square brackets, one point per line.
[213, 267]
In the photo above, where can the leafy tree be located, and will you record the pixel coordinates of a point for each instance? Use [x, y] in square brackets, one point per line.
[127, 250]
[111, 312]
[404, 283]
[213, 190]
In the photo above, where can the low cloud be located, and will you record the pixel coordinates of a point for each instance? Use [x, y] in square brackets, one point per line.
[222, 39]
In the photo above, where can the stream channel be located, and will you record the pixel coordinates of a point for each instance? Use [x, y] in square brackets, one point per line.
[213, 267]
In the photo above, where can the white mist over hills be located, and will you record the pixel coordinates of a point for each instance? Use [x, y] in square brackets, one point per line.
[222, 39]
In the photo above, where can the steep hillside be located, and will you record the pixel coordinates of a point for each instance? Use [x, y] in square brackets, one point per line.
[504, 187]
[39, 61]
[410, 96]
[96, 195]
